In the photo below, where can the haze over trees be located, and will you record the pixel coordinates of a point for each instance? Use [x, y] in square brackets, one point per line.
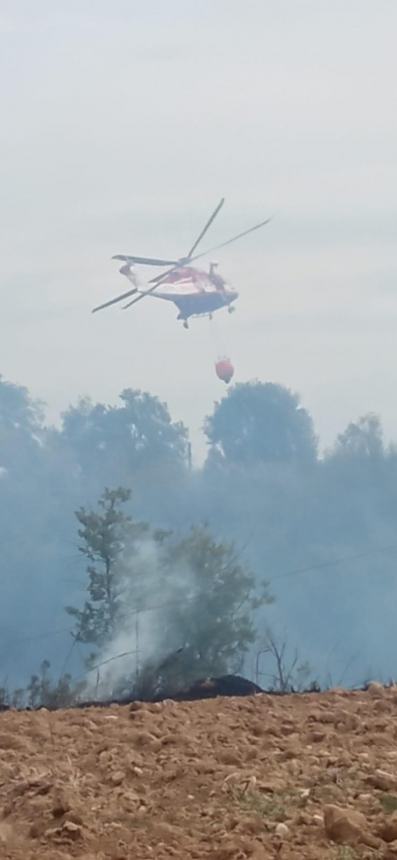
[319, 528]
[178, 609]
[260, 423]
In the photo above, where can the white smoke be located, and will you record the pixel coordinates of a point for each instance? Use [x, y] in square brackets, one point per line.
[151, 593]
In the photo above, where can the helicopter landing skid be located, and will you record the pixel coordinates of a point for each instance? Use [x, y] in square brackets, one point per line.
[210, 316]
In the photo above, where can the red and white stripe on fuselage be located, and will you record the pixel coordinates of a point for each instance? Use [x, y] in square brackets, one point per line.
[185, 282]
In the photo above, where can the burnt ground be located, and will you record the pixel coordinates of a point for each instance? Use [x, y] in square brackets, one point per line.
[299, 776]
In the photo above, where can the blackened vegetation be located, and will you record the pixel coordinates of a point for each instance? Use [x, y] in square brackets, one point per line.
[209, 688]
[204, 688]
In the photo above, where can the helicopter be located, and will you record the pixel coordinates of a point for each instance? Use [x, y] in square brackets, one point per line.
[195, 292]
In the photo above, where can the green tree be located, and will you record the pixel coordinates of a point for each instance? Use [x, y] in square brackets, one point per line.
[362, 440]
[209, 625]
[260, 423]
[106, 538]
[186, 605]
[22, 432]
[135, 436]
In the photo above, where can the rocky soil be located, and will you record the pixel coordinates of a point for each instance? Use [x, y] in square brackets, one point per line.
[311, 776]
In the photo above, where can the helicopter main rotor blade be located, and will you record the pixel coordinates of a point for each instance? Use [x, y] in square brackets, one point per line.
[144, 261]
[141, 296]
[204, 230]
[116, 299]
[229, 241]
[186, 260]
[157, 280]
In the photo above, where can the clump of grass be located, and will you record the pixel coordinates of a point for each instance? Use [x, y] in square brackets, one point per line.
[345, 852]
[388, 803]
[273, 807]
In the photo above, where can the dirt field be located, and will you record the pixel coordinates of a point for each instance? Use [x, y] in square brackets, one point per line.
[311, 776]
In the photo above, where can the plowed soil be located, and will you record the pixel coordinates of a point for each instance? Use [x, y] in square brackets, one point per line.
[226, 778]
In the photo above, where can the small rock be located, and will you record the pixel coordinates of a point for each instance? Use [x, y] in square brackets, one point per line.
[60, 805]
[304, 793]
[75, 817]
[52, 833]
[117, 777]
[294, 767]
[287, 728]
[282, 831]
[136, 706]
[5, 833]
[347, 721]
[259, 852]
[229, 756]
[231, 779]
[250, 825]
[388, 830]
[317, 736]
[72, 830]
[36, 829]
[318, 819]
[347, 826]
[302, 818]
[383, 780]
[376, 690]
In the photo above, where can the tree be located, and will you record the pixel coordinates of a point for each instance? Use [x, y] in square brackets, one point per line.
[135, 437]
[17, 409]
[208, 626]
[260, 423]
[287, 673]
[106, 537]
[185, 605]
[21, 428]
[35, 506]
[362, 440]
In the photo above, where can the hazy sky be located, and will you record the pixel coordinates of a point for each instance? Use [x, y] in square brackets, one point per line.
[122, 125]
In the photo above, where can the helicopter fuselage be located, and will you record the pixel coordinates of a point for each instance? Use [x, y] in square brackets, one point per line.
[194, 292]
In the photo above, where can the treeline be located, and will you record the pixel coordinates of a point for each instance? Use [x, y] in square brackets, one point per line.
[319, 529]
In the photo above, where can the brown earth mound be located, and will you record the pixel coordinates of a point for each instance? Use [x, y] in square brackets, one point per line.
[311, 776]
